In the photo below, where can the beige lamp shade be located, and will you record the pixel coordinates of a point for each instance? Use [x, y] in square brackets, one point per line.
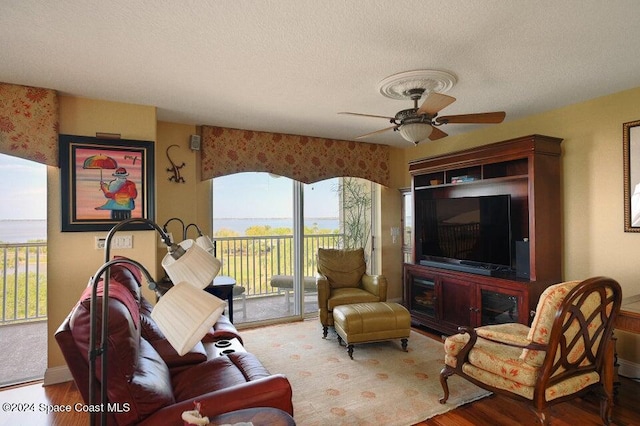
[206, 243]
[185, 314]
[196, 266]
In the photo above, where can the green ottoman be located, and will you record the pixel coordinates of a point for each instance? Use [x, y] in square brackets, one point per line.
[371, 322]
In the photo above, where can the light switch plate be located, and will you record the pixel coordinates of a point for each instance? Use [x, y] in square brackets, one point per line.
[118, 242]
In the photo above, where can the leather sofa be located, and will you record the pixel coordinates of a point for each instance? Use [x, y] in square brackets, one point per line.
[148, 380]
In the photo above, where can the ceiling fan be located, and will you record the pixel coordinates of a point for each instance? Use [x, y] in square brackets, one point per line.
[419, 123]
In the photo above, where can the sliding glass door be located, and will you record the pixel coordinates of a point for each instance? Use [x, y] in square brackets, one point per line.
[253, 230]
[23, 270]
[268, 230]
[321, 210]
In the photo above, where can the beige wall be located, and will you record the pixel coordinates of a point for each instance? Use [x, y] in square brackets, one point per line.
[594, 239]
[189, 201]
[391, 203]
[72, 255]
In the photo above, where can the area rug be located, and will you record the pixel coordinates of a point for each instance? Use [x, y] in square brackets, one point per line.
[382, 385]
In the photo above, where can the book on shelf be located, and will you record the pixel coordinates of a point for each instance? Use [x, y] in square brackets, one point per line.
[464, 178]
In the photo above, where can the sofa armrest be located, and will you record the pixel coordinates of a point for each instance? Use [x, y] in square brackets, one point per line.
[273, 391]
[223, 329]
[169, 355]
[375, 284]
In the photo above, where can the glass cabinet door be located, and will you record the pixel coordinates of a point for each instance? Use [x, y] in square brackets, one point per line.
[498, 307]
[423, 296]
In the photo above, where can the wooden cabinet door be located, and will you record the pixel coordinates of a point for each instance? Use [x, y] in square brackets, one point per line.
[456, 298]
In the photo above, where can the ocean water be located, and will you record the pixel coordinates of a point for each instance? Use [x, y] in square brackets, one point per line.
[21, 231]
[241, 225]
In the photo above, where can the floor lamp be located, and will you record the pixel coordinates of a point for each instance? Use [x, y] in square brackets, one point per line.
[184, 313]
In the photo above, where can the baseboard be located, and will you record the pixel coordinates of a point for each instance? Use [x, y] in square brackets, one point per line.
[55, 375]
[628, 369]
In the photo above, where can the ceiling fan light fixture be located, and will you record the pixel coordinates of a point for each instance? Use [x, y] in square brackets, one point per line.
[415, 132]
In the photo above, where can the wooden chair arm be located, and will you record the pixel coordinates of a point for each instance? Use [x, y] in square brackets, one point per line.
[463, 355]
[532, 345]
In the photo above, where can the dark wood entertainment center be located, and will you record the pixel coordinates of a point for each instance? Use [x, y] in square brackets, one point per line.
[526, 168]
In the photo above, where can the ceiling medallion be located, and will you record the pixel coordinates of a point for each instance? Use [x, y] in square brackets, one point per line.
[399, 86]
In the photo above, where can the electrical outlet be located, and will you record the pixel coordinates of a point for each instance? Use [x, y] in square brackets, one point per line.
[100, 242]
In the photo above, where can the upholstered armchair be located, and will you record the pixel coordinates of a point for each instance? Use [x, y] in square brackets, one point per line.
[567, 351]
[342, 280]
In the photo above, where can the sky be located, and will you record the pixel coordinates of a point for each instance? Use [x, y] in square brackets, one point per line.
[24, 193]
[243, 195]
[260, 195]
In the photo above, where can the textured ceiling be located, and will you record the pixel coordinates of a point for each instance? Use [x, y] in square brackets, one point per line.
[290, 65]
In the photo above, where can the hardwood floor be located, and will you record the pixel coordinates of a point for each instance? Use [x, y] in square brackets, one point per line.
[491, 411]
[27, 405]
[503, 411]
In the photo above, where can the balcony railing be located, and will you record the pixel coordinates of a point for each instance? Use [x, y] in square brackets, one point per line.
[252, 261]
[23, 288]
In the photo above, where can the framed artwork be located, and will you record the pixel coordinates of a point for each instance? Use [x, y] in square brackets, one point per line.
[631, 149]
[105, 181]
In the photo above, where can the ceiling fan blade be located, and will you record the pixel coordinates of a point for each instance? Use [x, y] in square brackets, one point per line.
[366, 115]
[376, 132]
[483, 117]
[437, 134]
[435, 102]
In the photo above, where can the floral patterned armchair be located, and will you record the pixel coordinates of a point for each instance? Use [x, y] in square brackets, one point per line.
[567, 351]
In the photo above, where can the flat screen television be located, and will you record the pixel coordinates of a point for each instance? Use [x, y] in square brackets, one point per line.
[474, 231]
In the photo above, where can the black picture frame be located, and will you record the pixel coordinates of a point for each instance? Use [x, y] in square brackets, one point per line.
[631, 166]
[104, 181]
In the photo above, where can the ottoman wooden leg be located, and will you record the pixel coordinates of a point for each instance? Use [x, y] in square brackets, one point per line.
[325, 330]
[339, 340]
[350, 351]
[405, 343]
